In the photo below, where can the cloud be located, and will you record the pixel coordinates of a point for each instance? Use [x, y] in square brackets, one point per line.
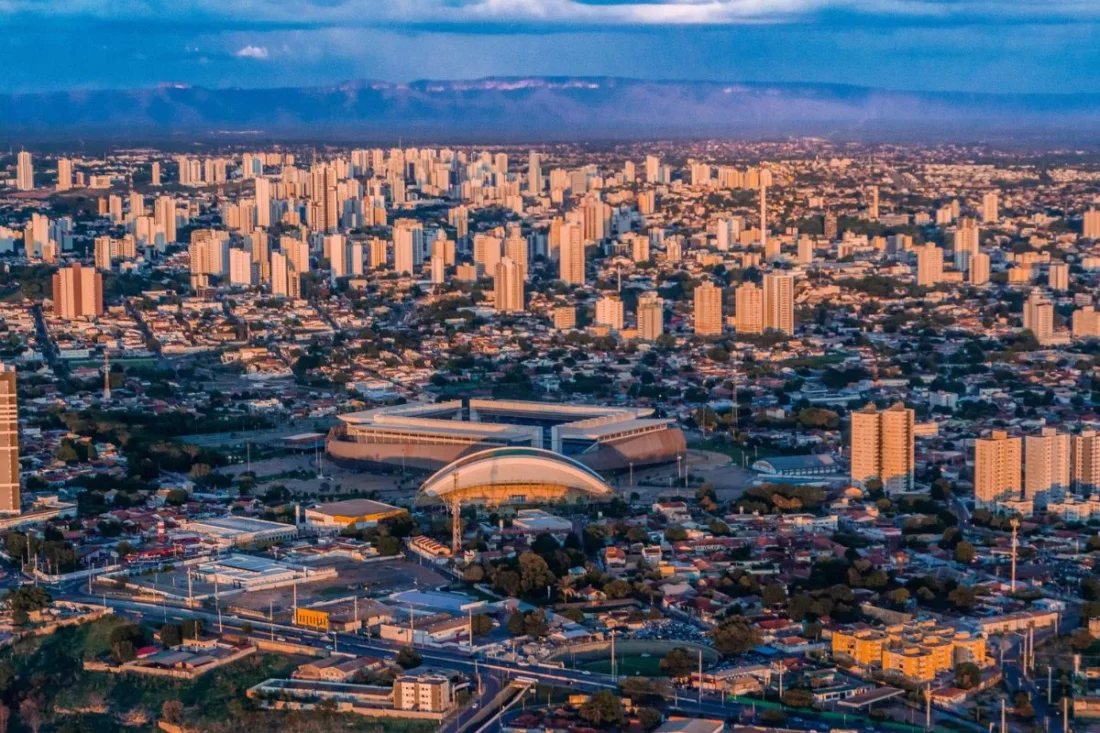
[252, 52]
[542, 15]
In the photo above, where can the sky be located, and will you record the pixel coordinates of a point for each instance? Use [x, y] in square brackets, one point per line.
[928, 45]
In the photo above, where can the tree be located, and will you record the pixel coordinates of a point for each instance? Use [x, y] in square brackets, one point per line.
[481, 624]
[172, 711]
[387, 546]
[409, 658]
[774, 595]
[534, 573]
[650, 718]
[192, 628]
[178, 497]
[735, 636]
[965, 553]
[536, 624]
[617, 589]
[798, 698]
[515, 624]
[967, 675]
[170, 635]
[676, 534]
[602, 709]
[473, 574]
[30, 710]
[27, 598]
[678, 663]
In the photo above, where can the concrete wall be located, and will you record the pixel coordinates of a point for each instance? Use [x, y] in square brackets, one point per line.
[595, 650]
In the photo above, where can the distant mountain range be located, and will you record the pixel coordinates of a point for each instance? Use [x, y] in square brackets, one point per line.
[532, 108]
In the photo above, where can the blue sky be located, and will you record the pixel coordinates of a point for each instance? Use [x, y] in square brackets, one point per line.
[966, 45]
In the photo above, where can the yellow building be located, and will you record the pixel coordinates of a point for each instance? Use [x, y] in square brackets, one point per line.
[864, 646]
[311, 618]
[918, 650]
[910, 661]
[356, 513]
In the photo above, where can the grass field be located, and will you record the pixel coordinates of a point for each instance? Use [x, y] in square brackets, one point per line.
[634, 666]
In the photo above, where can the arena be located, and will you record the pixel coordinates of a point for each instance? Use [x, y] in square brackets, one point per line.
[428, 437]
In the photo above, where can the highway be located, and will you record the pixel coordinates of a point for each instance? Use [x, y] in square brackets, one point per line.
[493, 674]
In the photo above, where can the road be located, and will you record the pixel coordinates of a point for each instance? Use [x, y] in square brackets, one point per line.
[492, 673]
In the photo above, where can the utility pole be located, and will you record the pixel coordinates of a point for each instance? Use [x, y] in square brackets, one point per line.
[1065, 714]
[1015, 524]
[613, 666]
[1004, 728]
[456, 519]
[1049, 686]
[700, 676]
[928, 707]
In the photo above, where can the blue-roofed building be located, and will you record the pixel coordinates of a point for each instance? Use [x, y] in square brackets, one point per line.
[807, 465]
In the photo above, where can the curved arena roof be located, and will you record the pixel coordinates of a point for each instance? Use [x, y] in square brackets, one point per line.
[513, 475]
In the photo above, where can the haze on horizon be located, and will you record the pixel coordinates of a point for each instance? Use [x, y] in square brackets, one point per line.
[1013, 46]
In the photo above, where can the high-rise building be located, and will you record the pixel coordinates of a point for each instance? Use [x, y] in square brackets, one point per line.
[103, 254]
[831, 227]
[1039, 316]
[263, 202]
[164, 216]
[1058, 276]
[749, 305]
[508, 286]
[24, 172]
[967, 244]
[515, 248]
[779, 302]
[1086, 323]
[439, 269]
[565, 316]
[1091, 224]
[240, 267]
[979, 269]
[872, 210]
[882, 447]
[609, 312]
[651, 316]
[1046, 466]
[997, 464]
[9, 442]
[534, 174]
[64, 174]
[990, 207]
[571, 255]
[708, 309]
[929, 264]
[1085, 452]
[764, 217]
[77, 293]
[154, 174]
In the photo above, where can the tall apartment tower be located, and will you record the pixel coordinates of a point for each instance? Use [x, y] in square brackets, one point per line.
[508, 286]
[64, 174]
[882, 447]
[609, 312]
[1039, 316]
[929, 265]
[997, 464]
[9, 442]
[651, 316]
[1091, 224]
[77, 292]
[779, 302]
[1046, 466]
[763, 214]
[1058, 276]
[990, 207]
[24, 172]
[571, 254]
[979, 269]
[1085, 462]
[534, 174]
[154, 174]
[708, 310]
[749, 302]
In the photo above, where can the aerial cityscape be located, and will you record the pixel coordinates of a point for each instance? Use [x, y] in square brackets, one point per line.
[559, 394]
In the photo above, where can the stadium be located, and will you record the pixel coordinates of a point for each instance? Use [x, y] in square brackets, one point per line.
[512, 475]
[428, 437]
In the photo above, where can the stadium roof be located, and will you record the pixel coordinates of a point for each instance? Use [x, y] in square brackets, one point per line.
[499, 475]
